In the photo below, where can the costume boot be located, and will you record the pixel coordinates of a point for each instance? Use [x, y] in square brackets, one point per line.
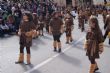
[28, 59]
[67, 40]
[92, 68]
[71, 39]
[59, 47]
[55, 46]
[21, 58]
[96, 68]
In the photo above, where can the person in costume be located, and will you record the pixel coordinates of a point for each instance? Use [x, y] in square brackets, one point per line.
[26, 31]
[94, 43]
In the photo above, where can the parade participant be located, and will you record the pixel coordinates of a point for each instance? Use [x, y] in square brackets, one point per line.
[94, 43]
[104, 15]
[73, 12]
[93, 12]
[56, 28]
[87, 14]
[35, 20]
[81, 20]
[69, 26]
[47, 20]
[41, 25]
[78, 9]
[107, 28]
[26, 31]
[60, 15]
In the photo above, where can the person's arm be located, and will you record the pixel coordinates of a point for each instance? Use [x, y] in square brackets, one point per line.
[101, 48]
[19, 32]
[86, 40]
[62, 27]
[50, 30]
[33, 31]
[86, 43]
[50, 27]
[101, 39]
[105, 26]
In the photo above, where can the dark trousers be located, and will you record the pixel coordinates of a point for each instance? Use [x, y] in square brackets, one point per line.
[68, 33]
[81, 26]
[22, 49]
[92, 60]
[57, 37]
[47, 28]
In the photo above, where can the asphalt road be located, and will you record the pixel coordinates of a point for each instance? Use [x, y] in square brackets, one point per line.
[44, 60]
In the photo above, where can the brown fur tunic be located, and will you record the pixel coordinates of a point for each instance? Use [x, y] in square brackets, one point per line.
[26, 27]
[107, 23]
[68, 24]
[93, 40]
[55, 25]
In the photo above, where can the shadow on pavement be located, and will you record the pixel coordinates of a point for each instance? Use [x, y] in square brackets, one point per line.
[24, 67]
[29, 67]
[46, 37]
[38, 41]
[72, 60]
[97, 72]
[78, 45]
[35, 71]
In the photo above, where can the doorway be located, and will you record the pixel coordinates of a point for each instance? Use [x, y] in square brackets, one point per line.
[68, 2]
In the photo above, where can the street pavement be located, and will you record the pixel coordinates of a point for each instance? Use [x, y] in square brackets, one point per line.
[73, 59]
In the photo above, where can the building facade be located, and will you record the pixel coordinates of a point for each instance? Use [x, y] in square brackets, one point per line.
[100, 1]
[66, 2]
[73, 2]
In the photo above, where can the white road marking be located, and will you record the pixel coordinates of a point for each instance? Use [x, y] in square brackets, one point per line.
[51, 58]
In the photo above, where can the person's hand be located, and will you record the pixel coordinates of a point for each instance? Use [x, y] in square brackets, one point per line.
[101, 48]
[19, 33]
[29, 34]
